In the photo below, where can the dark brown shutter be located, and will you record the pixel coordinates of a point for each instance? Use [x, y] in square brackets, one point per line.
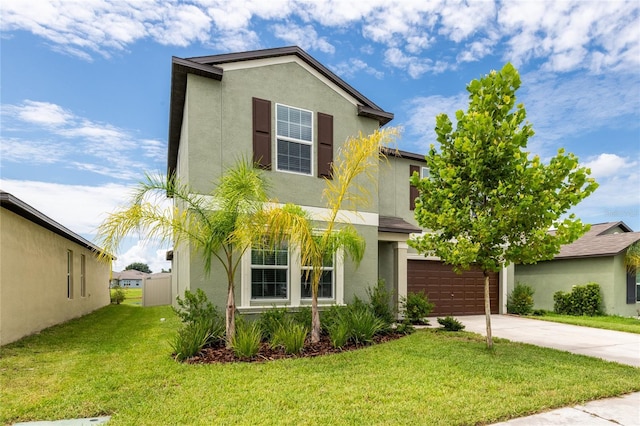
[262, 133]
[413, 191]
[631, 288]
[325, 145]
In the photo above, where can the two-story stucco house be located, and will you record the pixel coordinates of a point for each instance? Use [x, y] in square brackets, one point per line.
[291, 114]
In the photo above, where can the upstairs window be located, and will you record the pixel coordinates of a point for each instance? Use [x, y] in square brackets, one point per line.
[294, 140]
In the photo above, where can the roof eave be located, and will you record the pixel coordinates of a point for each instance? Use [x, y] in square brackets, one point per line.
[22, 209]
[179, 70]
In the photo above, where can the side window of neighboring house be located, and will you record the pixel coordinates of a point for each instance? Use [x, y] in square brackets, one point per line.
[637, 287]
[424, 172]
[270, 273]
[301, 143]
[83, 272]
[69, 274]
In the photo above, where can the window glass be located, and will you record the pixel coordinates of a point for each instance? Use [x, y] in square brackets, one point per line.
[325, 286]
[294, 128]
[269, 273]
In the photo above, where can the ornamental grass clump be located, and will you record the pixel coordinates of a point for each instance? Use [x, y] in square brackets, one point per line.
[290, 336]
[191, 339]
[247, 340]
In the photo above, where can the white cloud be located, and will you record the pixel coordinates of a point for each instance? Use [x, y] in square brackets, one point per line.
[37, 132]
[353, 66]
[607, 165]
[306, 37]
[415, 66]
[423, 110]
[81, 209]
[570, 35]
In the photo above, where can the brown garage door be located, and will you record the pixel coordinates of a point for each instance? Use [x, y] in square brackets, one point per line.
[452, 294]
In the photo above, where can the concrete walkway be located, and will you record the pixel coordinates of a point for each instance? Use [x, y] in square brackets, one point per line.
[606, 344]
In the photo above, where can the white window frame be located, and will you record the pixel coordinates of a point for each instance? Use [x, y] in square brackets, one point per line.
[324, 268]
[286, 267]
[424, 172]
[294, 284]
[69, 274]
[310, 143]
[83, 272]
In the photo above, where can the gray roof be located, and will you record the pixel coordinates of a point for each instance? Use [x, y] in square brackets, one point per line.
[19, 207]
[129, 274]
[600, 241]
[206, 66]
[396, 224]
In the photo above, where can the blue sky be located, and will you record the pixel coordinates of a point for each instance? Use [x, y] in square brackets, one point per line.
[85, 84]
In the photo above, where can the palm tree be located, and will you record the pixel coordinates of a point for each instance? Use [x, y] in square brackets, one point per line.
[354, 176]
[220, 226]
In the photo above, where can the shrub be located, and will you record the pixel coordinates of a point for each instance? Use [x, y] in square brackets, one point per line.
[246, 342]
[332, 316]
[117, 295]
[303, 317]
[449, 323]
[195, 307]
[405, 327]
[416, 307]
[191, 338]
[581, 300]
[290, 336]
[539, 312]
[520, 300]
[271, 320]
[380, 303]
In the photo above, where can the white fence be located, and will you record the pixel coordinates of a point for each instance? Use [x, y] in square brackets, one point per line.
[157, 291]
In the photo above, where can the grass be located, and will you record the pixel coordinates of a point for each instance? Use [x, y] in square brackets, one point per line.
[116, 362]
[608, 322]
[133, 296]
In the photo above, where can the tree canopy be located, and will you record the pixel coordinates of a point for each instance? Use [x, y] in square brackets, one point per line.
[487, 201]
[138, 266]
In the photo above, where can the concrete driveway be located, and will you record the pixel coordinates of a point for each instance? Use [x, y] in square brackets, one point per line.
[606, 344]
[609, 345]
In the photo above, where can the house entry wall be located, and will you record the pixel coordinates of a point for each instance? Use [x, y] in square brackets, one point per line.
[452, 294]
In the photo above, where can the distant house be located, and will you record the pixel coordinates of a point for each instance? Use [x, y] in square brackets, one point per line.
[48, 274]
[128, 279]
[598, 256]
[292, 115]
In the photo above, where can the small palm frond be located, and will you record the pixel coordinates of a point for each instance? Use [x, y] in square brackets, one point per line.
[632, 258]
[355, 170]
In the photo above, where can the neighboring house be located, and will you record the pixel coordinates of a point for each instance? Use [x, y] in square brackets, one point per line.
[48, 274]
[291, 115]
[598, 256]
[131, 278]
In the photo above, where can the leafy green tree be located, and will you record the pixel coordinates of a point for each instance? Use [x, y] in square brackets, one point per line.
[138, 266]
[486, 201]
[354, 176]
[221, 226]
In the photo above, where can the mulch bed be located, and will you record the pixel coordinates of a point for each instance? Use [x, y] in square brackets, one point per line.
[221, 354]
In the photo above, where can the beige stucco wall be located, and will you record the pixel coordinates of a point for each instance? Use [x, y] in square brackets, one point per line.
[33, 278]
[560, 275]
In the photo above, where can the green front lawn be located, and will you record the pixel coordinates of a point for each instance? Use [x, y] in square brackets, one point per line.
[116, 362]
[609, 322]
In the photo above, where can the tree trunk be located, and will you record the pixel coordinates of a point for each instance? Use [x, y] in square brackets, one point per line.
[315, 319]
[230, 316]
[487, 309]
